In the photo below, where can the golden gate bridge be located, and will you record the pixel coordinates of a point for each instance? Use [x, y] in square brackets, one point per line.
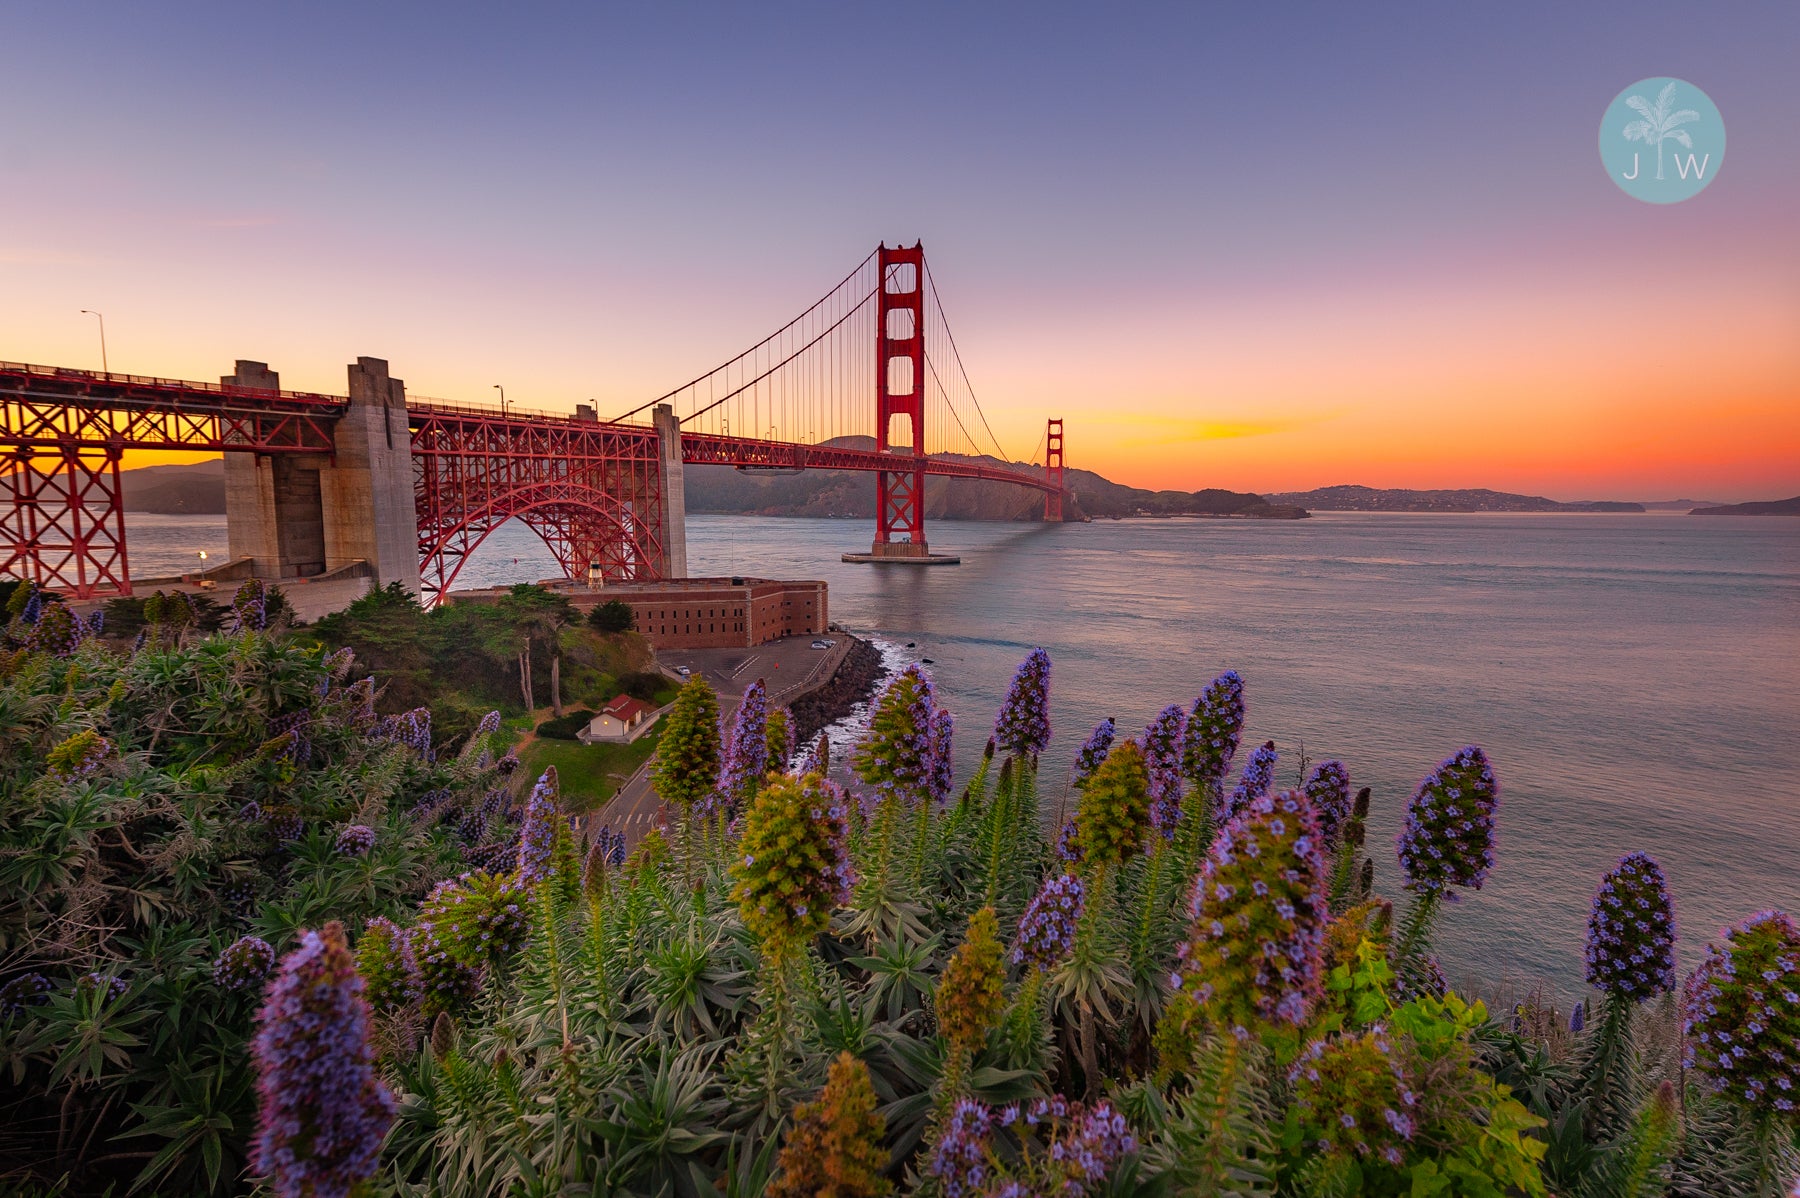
[409, 487]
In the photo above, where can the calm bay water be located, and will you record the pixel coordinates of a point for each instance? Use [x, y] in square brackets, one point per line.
[1634, 678]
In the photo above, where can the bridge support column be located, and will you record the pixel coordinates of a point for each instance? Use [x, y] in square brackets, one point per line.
[273, 513]
[673, 533]
[900, 399]
[366, 494]
[1053, 470]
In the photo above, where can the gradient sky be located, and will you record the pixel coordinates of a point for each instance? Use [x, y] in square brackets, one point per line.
[1264, 247]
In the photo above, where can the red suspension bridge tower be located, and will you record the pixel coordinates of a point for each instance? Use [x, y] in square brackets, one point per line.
[900, 397]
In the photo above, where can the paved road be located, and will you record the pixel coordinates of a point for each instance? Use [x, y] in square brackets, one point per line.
[786, 667]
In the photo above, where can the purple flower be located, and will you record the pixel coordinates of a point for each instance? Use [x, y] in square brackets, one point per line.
[1047, 929]
[1743, 1016]
[1253, 957]
[895, 756]
[1258, 776]
[26, 990]
[323, 1109]
[490, 724]
[1093, 751]
[297, 725]
[609, 845]
[355, 840]
[537, 835]
[56, 632]
[1449, 835]
[940, 768]
[249, 607]
[413, 729]
[111, 983]
[1023, 726]
[244, 964]
[1213, 729]
[1161, 744]
[746, 746]
[960, 1161]
[1328, 786]
[1631, 933]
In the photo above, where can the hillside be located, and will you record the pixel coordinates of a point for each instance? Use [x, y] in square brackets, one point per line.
[1351, 498]
[176, 490]
[1766, 507]
[851, 494]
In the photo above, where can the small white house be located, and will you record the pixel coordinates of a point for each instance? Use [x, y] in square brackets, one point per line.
[620, 719]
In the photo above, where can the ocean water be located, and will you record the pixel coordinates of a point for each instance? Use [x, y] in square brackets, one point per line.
[1635, 679]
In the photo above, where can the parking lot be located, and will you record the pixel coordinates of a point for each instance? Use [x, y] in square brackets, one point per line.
[786, 666]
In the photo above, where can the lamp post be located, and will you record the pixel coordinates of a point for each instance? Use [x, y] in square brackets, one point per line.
[502, 391]
[104, 368]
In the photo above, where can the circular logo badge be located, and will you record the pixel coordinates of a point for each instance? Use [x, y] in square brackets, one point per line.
[1662, 140]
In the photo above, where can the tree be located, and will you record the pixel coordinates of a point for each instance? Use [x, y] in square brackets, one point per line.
[614, 615]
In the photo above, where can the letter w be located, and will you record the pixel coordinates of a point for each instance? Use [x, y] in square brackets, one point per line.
[1699, 171]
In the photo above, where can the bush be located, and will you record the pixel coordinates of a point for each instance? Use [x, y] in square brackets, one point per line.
[566, 726]
[170, 817]
[612, 616]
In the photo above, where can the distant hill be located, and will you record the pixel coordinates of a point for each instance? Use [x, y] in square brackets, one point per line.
[851, 494]
[1679, 505]
[845, 493]
[1351, 498]
[1766, 507]
[176, 490]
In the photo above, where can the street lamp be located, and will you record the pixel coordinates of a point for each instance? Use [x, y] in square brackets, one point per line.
[104, 368]
[502, 391]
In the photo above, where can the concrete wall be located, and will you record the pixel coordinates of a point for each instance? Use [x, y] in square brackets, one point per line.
[674, 493]
[273, 508]
[368, 491]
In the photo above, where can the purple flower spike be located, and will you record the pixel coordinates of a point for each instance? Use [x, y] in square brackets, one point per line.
[1258, 776]
[1631, 933]
[1047, 929]
[244, 964]
[355, 840]
[1213, 731]
[1743, 1016]
[940, 771]
[746, 746]
[1162, 745]
[1449, 835]
[537, 833]
[323, 1108]
[960, 1161]
[1328, 786]
[1253, 957]
[1023, 726]
[1093, 751]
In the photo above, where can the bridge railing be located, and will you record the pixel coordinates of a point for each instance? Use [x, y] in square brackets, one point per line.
[64, 374]
[430, 403]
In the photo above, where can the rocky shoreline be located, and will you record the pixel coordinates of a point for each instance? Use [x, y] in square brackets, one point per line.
[854, 680]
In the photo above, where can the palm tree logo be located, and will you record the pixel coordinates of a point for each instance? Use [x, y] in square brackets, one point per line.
[1660, 122]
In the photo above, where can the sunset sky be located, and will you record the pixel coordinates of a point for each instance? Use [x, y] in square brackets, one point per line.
[1263, 247]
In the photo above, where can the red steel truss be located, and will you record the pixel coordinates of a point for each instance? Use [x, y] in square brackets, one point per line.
[1053, 470]
[592, 491]
[62, 433]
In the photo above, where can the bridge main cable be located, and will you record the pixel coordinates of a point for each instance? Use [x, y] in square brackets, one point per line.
[695, 382]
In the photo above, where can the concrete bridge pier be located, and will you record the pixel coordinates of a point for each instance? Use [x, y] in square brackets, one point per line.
[297, 515]
[674, 492]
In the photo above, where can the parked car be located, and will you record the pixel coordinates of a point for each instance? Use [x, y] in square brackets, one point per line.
[683, 671]
[821, 644]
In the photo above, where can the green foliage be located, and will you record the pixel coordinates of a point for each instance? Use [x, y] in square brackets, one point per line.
[969, 997]
[564, 727]
[612, 616]
[791, 871]
[686, 768]
[1115, 805]
[156, 807]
